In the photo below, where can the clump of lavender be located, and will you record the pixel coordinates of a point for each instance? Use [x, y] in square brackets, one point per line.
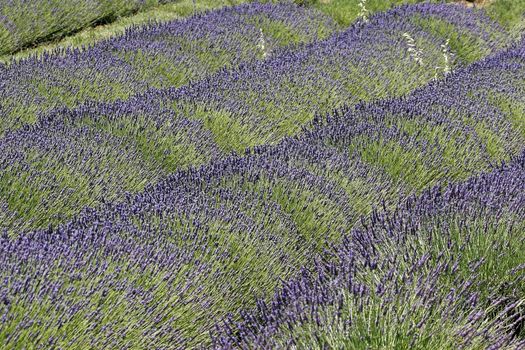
[414, 52]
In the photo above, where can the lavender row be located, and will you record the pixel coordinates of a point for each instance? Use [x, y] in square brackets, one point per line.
[25, 23]
[159, 269]
[165, 130]
[158, 55]
[445, 270]
[390, 55]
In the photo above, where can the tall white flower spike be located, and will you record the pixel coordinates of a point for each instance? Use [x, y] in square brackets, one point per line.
[414, 52]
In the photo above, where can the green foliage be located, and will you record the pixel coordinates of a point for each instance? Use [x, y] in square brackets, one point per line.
[345, 12]
[306, 2]
[510, 13]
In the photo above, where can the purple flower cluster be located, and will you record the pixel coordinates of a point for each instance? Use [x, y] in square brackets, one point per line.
[159, 269]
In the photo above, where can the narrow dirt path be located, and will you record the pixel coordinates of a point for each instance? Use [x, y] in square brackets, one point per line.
[475, 3]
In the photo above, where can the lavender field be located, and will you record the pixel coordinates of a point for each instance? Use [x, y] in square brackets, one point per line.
[335, 174]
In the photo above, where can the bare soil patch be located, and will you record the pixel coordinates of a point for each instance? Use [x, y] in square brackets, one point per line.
[474, 3]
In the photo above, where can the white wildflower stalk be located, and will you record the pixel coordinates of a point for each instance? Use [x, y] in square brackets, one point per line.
[363, 12]
[262, 45]
[414, 52]
[447, 59]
